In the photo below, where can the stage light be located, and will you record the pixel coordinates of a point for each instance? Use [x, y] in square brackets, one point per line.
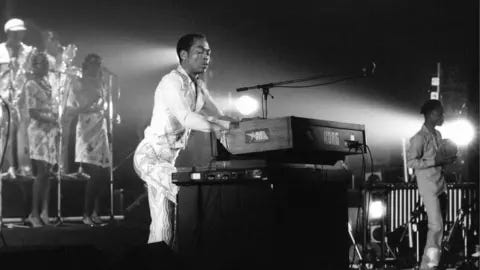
[460, 131]
[246, 105]
[377, 210]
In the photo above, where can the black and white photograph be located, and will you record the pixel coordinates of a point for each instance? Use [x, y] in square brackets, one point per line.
[218, 135]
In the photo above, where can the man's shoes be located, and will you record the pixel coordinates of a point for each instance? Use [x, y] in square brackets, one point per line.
[431, 259]
[477, 252]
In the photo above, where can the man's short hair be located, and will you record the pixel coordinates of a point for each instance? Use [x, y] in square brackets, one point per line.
[186, 42]
[430, 105]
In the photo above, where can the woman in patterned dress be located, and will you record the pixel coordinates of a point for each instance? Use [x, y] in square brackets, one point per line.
[43, 136]
[91, 146]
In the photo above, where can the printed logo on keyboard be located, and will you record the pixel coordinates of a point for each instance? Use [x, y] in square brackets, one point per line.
[257, 135]
[331, 138]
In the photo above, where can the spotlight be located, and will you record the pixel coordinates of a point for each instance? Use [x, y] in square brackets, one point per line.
[246, 105]
[377, 210]
[460, 131]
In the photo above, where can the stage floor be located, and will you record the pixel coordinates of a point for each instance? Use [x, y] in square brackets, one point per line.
[73, 246]
[75, 234]
[119, 245]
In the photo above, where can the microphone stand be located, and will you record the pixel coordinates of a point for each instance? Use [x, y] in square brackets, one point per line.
[110, 122]
[61, 110]
[63, 94]
[267, 86]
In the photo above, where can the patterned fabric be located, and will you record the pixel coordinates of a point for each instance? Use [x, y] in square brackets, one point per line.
[12, 83]
[91, 144]
[162, 228]
[60, 78]
[18, 77]
[176, 96]
[43, 136]
[53, 75]
[154, 163]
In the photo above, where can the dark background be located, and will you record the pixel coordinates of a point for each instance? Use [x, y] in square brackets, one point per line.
[257, 42]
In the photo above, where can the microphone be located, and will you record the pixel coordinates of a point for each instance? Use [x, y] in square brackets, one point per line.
[241, 89]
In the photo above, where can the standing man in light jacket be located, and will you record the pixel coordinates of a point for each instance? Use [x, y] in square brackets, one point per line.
[426, 157]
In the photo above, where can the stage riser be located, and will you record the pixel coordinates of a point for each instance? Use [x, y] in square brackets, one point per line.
[17, 199]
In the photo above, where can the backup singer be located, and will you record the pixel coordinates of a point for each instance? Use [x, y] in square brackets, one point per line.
[53, 49]
[182, 103]
[424, 155]
[60, 74]
[91, 146]
[14, 62]
[43, 137]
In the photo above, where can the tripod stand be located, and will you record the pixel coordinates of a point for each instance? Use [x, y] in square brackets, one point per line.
[63, 75]
[62, 99]
[354, 243]
[406, 239]
[459, 226]
[113, 117]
